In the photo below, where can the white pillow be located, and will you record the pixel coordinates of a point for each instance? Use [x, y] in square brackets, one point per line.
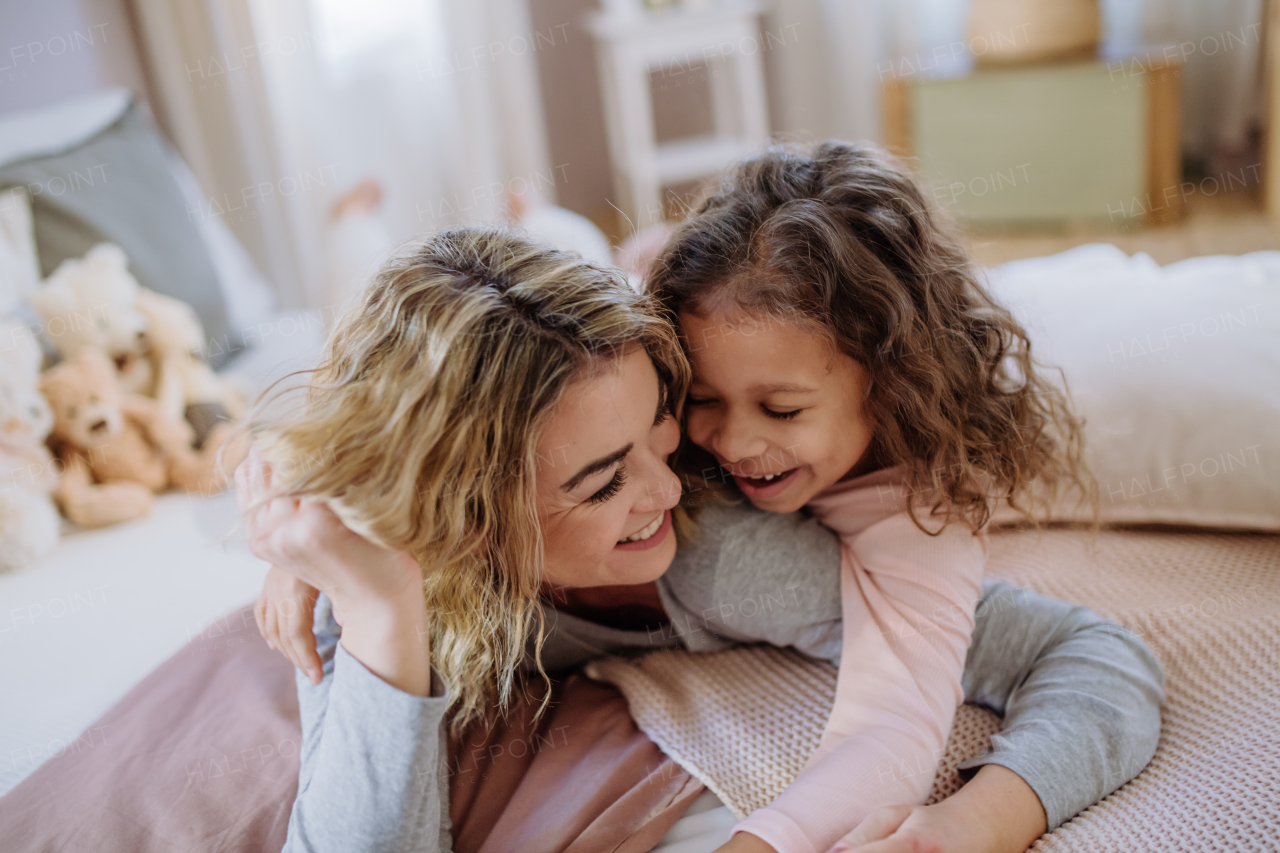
[19, 267]
[1177, 372]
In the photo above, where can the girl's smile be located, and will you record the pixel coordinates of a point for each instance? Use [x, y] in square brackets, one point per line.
[776, 404]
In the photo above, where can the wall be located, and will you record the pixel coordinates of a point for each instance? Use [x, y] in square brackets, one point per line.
[56, 49]
[808, 47]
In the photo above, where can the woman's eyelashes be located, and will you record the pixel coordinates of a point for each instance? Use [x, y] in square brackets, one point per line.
[611, 488]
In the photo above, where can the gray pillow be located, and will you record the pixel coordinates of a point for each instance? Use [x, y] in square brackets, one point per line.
[116, 187]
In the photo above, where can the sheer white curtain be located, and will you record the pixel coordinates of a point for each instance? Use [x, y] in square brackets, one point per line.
[1222, 83]
[281, 106]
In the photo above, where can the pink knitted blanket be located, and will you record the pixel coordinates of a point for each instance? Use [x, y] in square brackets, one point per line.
[746, 720]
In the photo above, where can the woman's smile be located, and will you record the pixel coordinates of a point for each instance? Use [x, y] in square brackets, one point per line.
[651, 536]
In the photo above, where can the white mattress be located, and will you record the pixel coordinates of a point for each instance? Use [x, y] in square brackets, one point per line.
[106, 607]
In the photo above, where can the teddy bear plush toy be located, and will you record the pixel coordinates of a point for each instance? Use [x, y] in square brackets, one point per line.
[154, 340]
[118, 449]
[184, 385]
[29, 523]
[92, 302]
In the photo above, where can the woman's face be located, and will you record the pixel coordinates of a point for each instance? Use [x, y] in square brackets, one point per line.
[605, 492]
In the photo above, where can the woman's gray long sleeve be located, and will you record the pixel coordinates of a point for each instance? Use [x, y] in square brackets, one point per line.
[1080, 695]
[373, 775]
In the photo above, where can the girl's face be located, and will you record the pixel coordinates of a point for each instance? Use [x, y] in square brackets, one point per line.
[776, 404]
[605, 491]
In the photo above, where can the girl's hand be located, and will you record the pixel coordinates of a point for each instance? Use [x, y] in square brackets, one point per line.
[901, 829]
[745, 842]
[284, 616]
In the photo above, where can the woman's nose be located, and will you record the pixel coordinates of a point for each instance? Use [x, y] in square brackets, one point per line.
[660, 487]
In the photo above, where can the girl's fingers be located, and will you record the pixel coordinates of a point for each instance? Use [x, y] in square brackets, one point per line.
[313, 660]
[259, 612]
[880, 824]
[304, 653]
[272, 632]
[302, 639]
[887, 845]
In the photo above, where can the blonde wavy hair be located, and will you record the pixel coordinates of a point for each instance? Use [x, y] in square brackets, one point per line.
[421, 424]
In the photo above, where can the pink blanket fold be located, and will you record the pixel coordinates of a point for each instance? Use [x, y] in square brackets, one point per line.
[203, 756]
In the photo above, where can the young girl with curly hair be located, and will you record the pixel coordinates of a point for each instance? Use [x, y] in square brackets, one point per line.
[846, 360]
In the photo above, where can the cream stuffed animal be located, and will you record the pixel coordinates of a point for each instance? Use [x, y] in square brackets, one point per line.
[29, 523]
[93, 302]
[184, 385]
[119, 448]
[154, 340]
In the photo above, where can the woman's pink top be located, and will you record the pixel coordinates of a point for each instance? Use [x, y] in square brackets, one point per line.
[908, 602]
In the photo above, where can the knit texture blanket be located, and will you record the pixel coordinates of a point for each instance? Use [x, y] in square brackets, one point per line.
[745, 721]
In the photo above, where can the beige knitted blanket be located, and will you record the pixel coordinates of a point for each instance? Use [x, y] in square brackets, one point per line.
[745, 721]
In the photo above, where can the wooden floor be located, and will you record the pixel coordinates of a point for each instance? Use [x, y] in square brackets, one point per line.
[1225, 224]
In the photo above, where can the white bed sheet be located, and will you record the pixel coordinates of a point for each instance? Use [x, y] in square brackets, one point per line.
[103, 610]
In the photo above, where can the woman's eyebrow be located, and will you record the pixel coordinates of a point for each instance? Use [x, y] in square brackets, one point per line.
[596, 467]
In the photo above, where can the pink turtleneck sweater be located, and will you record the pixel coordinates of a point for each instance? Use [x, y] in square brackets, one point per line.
[908, 603]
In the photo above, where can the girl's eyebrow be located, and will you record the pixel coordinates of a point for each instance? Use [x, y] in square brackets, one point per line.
[595, 467]
[782, 388]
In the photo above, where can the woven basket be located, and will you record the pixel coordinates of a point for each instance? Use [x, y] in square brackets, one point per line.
[1009, 32]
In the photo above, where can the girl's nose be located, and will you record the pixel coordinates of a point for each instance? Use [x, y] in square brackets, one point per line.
[733, 440]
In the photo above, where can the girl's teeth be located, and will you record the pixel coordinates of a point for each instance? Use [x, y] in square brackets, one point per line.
[768, 477]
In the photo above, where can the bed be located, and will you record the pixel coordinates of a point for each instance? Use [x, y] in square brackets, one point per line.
[1177, 376]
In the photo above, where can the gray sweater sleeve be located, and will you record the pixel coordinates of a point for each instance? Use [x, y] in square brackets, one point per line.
[373, 773]
[1080, 695]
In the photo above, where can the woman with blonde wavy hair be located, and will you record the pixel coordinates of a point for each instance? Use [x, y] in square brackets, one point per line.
[485, 445]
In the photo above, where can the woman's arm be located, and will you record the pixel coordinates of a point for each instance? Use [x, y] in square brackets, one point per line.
[1080, 695]
[1081, 699]
[1067, 680]
[372, 776]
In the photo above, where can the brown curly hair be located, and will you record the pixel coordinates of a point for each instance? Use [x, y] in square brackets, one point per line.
[840, 238]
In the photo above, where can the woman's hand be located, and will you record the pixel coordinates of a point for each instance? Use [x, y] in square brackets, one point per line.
[376, 593]
[996, 812]
[284, 613]
[307, 540]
